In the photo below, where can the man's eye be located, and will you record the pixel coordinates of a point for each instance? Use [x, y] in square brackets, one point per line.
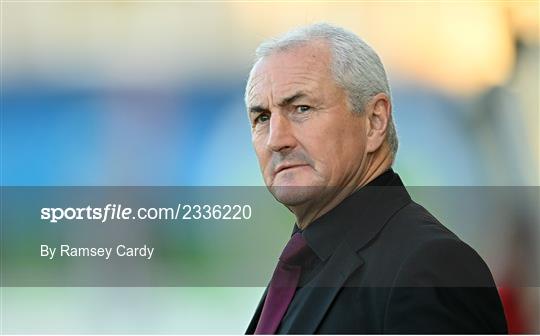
[303, 108]
[261, 118]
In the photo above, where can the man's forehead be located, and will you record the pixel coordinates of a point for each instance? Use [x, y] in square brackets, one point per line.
[275, 92]
[284, 73]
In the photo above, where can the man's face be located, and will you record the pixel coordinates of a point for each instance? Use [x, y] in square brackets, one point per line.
[304, 133]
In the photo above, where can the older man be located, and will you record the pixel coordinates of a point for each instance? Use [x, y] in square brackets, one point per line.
[363, 257]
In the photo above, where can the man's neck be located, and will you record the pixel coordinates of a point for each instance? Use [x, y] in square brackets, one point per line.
[307, 213]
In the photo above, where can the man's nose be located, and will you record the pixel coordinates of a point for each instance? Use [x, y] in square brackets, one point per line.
[281, 135]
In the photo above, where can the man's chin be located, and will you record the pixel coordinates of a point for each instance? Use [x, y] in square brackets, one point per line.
[295, 195]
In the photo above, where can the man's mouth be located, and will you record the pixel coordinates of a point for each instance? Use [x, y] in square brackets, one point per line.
[287, 166]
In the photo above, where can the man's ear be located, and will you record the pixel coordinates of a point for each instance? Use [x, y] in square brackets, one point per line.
[378, 112]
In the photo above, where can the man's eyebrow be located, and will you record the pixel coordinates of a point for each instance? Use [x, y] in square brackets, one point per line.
[258, 109]
[284, 102]
[289, 100]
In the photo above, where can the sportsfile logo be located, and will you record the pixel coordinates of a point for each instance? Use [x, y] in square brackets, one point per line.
[110, 211]
[120, 212]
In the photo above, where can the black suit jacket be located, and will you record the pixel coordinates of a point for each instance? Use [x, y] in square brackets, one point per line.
[388, 266]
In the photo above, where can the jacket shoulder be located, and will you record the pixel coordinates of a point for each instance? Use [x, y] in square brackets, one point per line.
[439, 283]
[415, 249]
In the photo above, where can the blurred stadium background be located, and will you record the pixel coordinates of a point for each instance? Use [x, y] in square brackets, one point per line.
[101, 93]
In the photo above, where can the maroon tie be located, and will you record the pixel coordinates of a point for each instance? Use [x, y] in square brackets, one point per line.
[283, 284]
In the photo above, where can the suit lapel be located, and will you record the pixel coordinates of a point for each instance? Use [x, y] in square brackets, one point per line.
[377, 206]
[322, 290]
[255, 319]
[364, 215]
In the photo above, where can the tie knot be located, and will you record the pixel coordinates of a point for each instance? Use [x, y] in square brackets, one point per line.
[296, 251]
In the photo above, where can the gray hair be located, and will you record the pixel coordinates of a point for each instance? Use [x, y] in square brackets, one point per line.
[356, 67]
